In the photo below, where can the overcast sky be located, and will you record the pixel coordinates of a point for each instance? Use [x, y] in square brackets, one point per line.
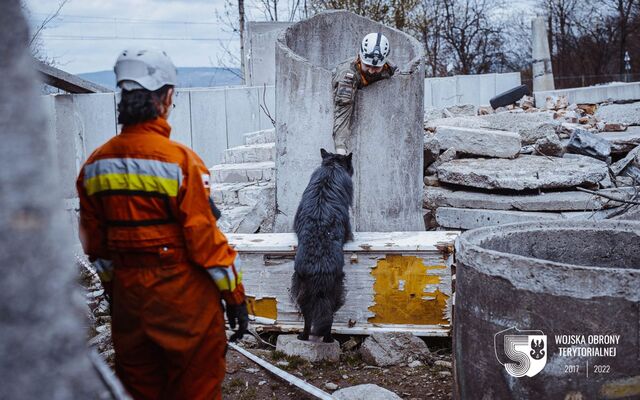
[89, 34]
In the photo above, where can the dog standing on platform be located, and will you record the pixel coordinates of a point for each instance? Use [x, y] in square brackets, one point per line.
[322, 226]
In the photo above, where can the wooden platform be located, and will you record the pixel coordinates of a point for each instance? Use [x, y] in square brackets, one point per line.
[396, 281]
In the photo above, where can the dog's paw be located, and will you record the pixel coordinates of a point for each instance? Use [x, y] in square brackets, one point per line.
[304, 337]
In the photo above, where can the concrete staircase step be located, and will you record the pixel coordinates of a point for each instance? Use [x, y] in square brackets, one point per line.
[244, 193]
[250, 153]
[243, 172]
[263, 136]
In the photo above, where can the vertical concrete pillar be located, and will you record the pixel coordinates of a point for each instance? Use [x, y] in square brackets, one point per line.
[42, 322]
[541, 61]
[387, 130]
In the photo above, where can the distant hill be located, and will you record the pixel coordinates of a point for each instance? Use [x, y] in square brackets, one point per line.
[187, 77]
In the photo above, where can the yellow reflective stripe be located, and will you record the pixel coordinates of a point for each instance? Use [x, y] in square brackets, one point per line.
[133, 182]
[225, 280]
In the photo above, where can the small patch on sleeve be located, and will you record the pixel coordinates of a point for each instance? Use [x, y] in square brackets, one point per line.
[206, 181]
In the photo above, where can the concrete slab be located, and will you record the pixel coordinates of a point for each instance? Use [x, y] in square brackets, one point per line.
[227, 193]
[436, 197]
[623, 142]
[467, 218]
[367, 391]
[443, 92]
[461, 122]
[507, 81]
[250, 153]
[480, 142]
[628, 114]
[524, 172]
[246, 172]
[464, 218]
[260, 137]
[239, 123]
[231, 217]
[530, 126]
[209, 125]
[308, 350]
[98, 118]
[180, 118]
[260, 63]
[594, 94]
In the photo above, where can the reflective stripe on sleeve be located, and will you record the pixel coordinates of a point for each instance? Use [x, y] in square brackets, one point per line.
[134, 174]
[225, 278]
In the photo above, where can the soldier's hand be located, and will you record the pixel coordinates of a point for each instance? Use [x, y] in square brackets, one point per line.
[238, 316]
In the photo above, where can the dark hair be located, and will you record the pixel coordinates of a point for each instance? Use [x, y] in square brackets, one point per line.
[141, 105]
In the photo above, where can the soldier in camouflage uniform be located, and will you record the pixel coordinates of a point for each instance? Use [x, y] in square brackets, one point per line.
[350, 75]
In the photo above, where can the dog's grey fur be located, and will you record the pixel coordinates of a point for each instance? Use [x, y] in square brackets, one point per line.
[322, 226]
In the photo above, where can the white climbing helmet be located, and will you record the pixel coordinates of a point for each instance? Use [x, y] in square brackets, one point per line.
[144, 69]
[374, 49]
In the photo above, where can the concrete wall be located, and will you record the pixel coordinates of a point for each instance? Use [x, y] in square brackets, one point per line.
[594, 94]
[387, 125]
[467, 89]
[43, 328]
[207, 120]
[260, 53]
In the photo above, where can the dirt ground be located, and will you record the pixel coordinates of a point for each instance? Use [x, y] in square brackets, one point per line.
[245, 380]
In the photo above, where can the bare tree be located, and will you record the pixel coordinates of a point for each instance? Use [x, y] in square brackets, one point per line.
[473, 39]
[229, 59]
[35, 41]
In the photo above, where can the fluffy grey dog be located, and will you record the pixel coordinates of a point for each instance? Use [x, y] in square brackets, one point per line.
[322, 226]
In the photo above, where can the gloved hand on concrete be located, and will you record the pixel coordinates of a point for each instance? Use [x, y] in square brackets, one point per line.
[237, 315]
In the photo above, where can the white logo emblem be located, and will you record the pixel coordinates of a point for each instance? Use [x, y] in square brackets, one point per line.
[521, 352]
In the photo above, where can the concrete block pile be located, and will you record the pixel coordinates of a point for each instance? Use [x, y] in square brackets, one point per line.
[522, 163]
[243, 187]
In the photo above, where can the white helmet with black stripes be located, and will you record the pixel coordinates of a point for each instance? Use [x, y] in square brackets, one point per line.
[374, 49]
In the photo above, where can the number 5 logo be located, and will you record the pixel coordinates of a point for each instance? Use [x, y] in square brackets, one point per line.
[521, 352]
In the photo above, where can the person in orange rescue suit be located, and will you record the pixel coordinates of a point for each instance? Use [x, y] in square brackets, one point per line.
[351, 75]
[147, 224]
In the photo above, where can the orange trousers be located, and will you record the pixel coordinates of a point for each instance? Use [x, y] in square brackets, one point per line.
[168, 327]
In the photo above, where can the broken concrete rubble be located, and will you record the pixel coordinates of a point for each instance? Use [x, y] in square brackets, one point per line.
[549, 145]
[312, 351]
[435, 197]
[448, 155]
[431, 149]
[462, 110]
[467, 218]
[589, 144]
[524, 172]
[384, 349]
[530, 126]
[479, 142]
[366, 391]
[628, 114]
[623, 142]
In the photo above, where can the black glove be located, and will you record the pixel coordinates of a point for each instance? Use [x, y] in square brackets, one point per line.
[215, 210]
[237, 314]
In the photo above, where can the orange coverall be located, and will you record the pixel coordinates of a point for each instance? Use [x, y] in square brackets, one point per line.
[144, 204]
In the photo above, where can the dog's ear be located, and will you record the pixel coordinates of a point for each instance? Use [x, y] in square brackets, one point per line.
[324, 154]
[349, 157]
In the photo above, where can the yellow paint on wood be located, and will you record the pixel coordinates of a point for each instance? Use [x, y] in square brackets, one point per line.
[265, 307]
[400, 296]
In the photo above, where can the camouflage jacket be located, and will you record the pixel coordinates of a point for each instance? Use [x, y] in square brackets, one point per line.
[346, 81]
